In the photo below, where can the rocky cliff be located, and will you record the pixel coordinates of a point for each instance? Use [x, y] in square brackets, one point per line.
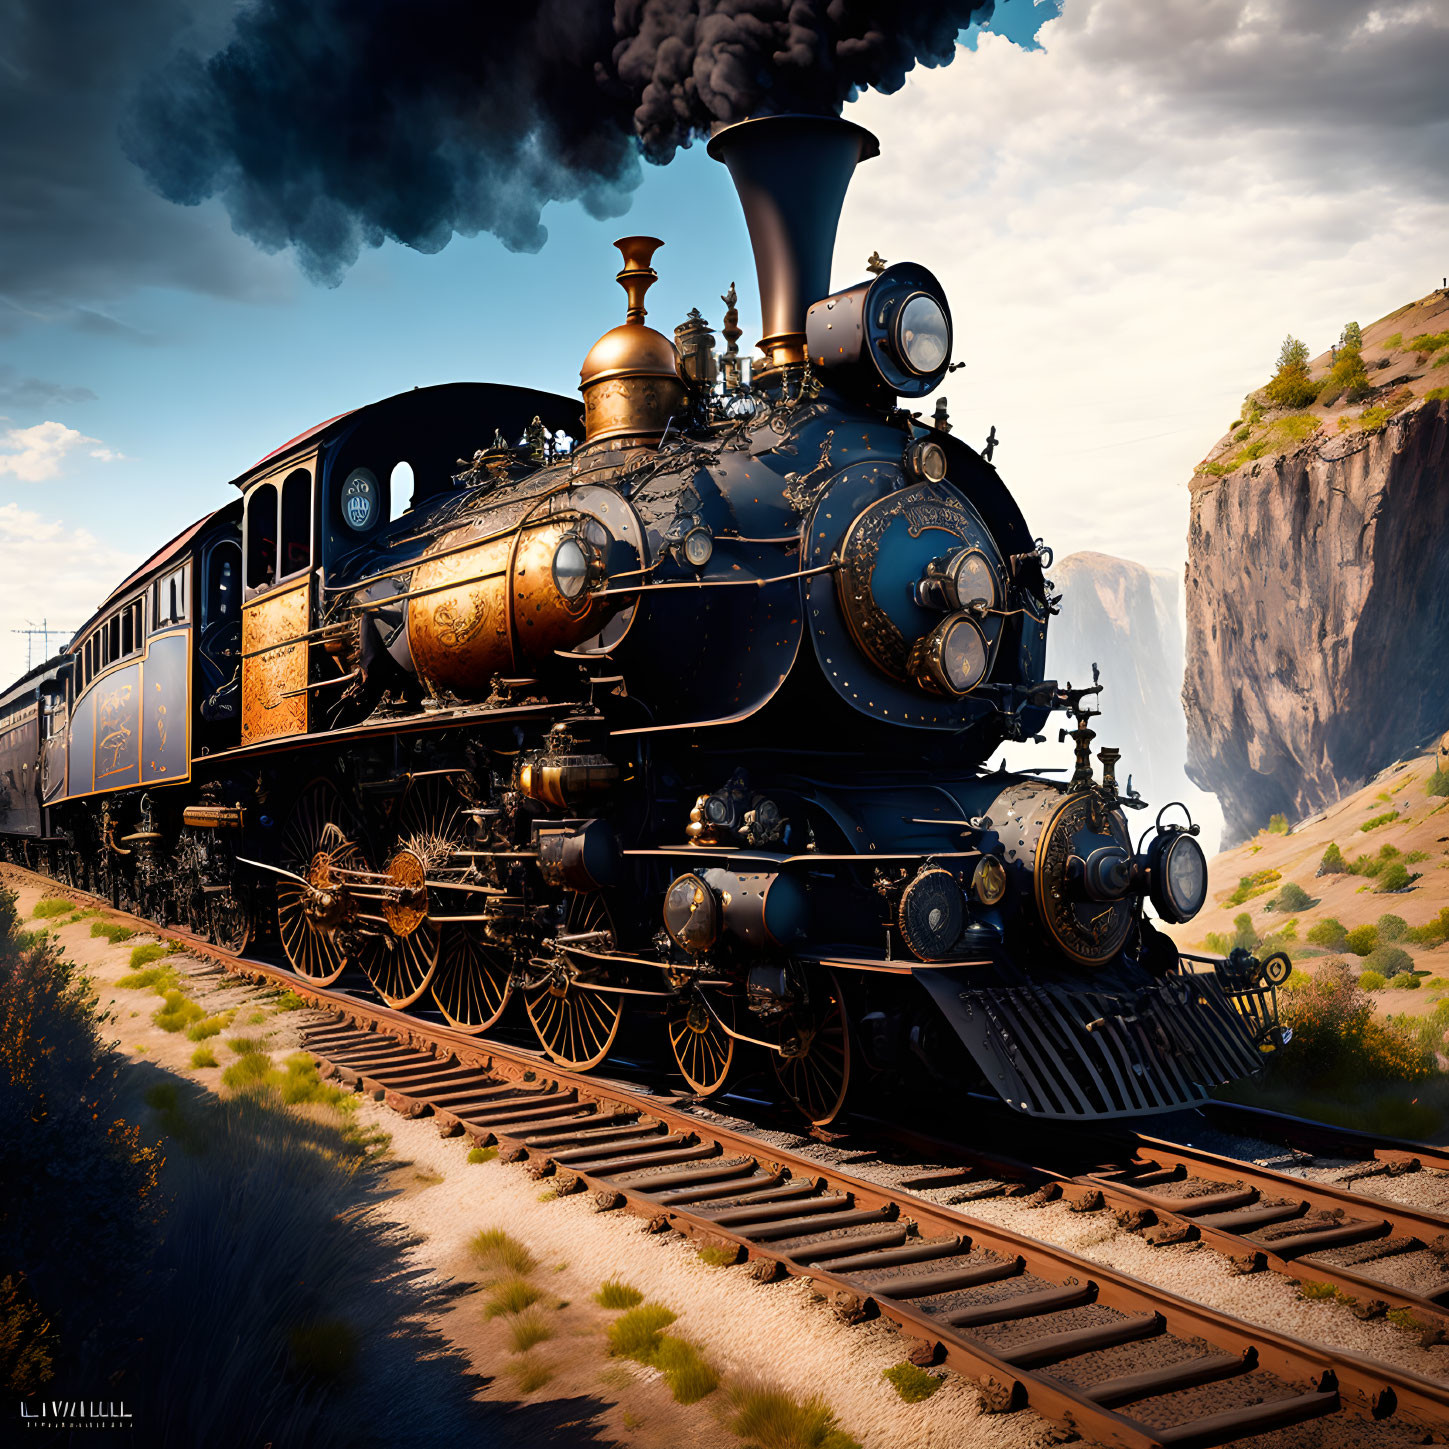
[1317, 606]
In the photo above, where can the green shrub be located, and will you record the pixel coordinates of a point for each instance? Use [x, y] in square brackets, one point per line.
[1429, 341]
[1257, 884]
[1278, 825]
[615, 1295]
[145, 955]
[1438, 782]
[636, 1334]
[1291, 898]
[1329, 932]
[1372, 980]
[1378, 820]
[1394, 877]
[1389, 960]
[159, 979]
[719, 1257]
[1392, 928]
[1431, 933]
[1218, 943]
[209, 1026]
[52, 906]
[1362, 939]
[1332, 862]
[1291, 387]
[1393, 341]
[1404, 981]
[482, 1154]
[498, 1252]
[1244, 934]
[1438, 394]
[179, 1012]
[1339, 1042]
[203, 1056]
[774, 1420]
[290, 1001]
[911, 1383]
[111, 932]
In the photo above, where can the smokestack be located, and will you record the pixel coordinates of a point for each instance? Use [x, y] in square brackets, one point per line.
[791, 173]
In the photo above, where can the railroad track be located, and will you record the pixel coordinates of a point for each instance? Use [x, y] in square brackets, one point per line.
[1380, 1255]
[1097, 1351]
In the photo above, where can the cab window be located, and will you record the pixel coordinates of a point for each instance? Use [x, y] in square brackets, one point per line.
[261, 537]
[296, 522]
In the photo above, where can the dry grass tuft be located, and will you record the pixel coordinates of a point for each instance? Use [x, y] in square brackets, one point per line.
[527, 1329]
[511, 1295]
[530, 1375]
[616, 1295]
[774, 1420]
[497, 1252]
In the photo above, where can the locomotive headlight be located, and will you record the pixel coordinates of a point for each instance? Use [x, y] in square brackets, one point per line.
[927, 460]
[691, 914]
[950, 659]
[576, 567]
[923, 335]
[1177, 875]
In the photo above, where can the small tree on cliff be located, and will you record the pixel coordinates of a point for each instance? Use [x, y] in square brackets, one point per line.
[1291, 386]
[1348, 374]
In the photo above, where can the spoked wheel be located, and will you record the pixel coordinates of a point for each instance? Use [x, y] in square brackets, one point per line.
[814, 1066]
[703, 1050]
[473, 983]
[575, 1026]
[319, 838]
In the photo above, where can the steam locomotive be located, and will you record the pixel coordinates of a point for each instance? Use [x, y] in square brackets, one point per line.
[687, 719]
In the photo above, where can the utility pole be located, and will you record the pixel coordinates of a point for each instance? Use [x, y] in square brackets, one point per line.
[43, 633]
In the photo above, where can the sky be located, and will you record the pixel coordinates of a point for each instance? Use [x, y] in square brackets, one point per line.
[1129, 205]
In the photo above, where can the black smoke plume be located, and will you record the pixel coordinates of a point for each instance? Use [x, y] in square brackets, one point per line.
[330, 125]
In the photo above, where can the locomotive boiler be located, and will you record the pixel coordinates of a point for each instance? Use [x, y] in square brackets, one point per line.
[679, 709]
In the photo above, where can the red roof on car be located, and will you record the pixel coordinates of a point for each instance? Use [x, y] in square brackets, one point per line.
[158, 558]
[300, 438]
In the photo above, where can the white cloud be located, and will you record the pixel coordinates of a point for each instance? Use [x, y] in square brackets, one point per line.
[1130, 219]
[52, 572]
[32, 455]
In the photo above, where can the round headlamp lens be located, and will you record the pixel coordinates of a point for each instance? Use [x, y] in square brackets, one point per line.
[1180, 882]
[923, 335]
[570, 568]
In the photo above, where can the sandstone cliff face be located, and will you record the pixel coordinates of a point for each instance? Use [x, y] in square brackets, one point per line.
[1318, 616]
[1125, 618]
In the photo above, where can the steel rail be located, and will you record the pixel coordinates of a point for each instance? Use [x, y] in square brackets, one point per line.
[1078, 1342]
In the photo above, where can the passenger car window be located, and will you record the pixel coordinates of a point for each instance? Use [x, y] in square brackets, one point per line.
[223, 582]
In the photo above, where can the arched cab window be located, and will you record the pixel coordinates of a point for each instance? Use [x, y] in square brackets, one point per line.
[261, 537]
[223, 583]
[296, 522]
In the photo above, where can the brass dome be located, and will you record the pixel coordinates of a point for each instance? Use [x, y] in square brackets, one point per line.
[631, 380]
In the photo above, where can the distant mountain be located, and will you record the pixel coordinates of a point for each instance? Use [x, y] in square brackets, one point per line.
[1124, 618]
